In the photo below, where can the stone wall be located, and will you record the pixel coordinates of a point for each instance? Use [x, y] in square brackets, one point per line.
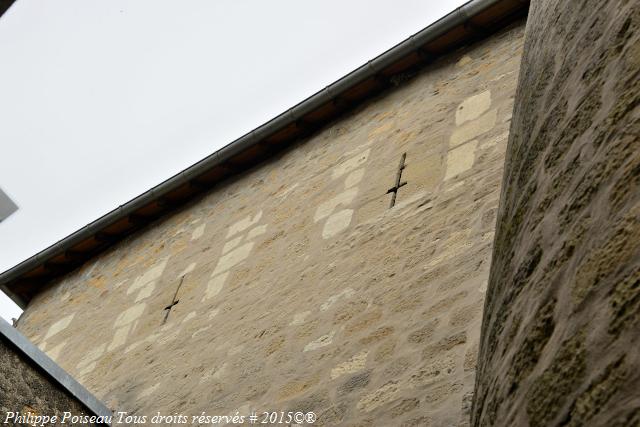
[25, 390]
[296, 286]
[561, 325]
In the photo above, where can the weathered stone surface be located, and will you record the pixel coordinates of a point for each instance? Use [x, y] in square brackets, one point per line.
[25, 389]
[297, 286]
[562, 316]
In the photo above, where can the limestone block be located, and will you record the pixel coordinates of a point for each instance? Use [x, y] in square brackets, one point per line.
[472, 107]
[233, 258]
[347, 293]
[244, 223]
[54, 352]
[354, 178]
[460, 159]
[120, 337]
[337, 223]
[351, 164]
[198, 232]
[215, 285]
[473, 129]
[323, 341]
[59, 326]
[231, 244]
[152, 274]
[257, 231]
[343, 199]
[188, 270]
[129, 315]
[298, 318]
[145, 292]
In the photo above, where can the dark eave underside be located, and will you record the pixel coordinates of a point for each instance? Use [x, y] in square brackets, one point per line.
[475, 20]
[4, 5]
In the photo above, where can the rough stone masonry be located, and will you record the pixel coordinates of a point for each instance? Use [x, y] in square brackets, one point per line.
[561, 324]
[295, 286]
[28, 393]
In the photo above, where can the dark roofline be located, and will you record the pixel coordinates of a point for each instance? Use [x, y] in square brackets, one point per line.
[43, 363]
[5, 5]
[474, 20]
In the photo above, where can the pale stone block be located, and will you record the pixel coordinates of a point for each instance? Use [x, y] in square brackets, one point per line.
[354, 178]
[483, 287]
[214, 313]
[285, 193]
[323, 341]
[54, 353]
[257, 231]
[188, 270]
[214, 373]
[298, 318]
[231, 244]
[351, 164]
[347, 293]
[460, 159]
[337, 223]
[145, 292]
[198, 232]
[189, 316]
[149, 390]
[235, 350]
[59, 326]
[471, 130]
[120, 337]
[466, 59]
[326, 208]
[215, 285]
[355, 364]
[473, 107]
[243, 224]
[129, 315]
[233, 258]
[92, 355]
[133, 346]
[201, 330]
[148, 276]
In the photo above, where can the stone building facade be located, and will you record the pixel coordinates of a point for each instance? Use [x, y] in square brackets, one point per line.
[296, 286]
[364, 272]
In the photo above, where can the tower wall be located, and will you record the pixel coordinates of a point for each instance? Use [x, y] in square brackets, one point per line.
[560, 330]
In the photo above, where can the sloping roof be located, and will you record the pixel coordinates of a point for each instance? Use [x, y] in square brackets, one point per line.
[474, 20]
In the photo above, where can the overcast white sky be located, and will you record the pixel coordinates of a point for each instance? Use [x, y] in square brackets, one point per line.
[101, 100]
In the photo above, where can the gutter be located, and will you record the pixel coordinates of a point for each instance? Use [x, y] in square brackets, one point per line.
[473, 20]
